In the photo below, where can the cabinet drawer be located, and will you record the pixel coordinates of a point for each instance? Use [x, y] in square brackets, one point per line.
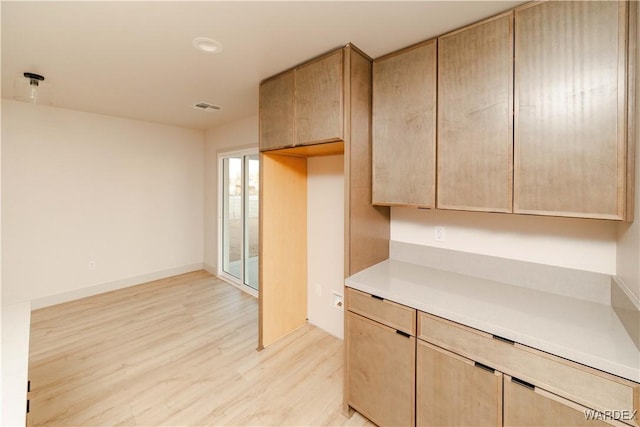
[578, 383]
[525, 406]
[389, 313]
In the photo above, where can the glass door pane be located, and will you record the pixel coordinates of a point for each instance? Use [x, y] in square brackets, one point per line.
[252, 183]
[232, 216]
[239, 214]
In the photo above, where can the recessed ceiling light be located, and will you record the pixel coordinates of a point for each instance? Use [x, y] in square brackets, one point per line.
[207, 45]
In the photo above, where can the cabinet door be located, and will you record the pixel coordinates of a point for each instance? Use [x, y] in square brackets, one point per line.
[475, 120]
[527, 406]
[277, 112]
[404, 127]
[570, 100]
[453, 391]
[381, 372]
[319, 100]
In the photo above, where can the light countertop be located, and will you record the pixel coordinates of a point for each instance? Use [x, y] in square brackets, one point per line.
[582, 331]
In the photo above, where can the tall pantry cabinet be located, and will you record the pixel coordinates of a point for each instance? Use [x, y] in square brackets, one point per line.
[319, 108]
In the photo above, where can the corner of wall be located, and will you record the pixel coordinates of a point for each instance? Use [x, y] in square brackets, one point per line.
[628, 247]
[211, 269]
[236, 135]
[627, 307]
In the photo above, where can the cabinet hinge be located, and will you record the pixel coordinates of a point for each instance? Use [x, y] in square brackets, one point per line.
[404, 334]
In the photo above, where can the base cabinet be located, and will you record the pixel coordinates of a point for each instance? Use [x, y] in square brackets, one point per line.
[454, 391]
[381, 366]
[526, 405]
[410, 368]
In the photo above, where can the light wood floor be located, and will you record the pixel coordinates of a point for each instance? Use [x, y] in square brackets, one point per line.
[178, 352]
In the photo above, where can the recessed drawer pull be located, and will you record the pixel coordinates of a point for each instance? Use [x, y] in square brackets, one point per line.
[404, 334]
[523, 383]
[389, 313]
[485, 367]
[589, 387]
[504, 340]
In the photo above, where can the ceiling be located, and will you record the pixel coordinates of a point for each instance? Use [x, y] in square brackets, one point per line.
[135, 59]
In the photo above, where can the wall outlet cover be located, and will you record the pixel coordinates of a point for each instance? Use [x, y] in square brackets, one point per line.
[337, 301]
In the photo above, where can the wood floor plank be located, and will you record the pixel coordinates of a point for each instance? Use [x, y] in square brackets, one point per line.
[179, 352]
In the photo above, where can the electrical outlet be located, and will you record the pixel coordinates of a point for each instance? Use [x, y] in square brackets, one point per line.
[438, 234]
[337, 301]
[92, 265]
[318, 289]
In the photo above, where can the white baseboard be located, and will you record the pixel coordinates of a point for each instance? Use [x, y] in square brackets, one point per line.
[112, 286]
[210, 269]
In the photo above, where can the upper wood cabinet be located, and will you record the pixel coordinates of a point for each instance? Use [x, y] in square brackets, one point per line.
[277, 112]
[404, 127]
[304, 106]
[571, 101]
[319, 101]
[475, 120]
[535, 114]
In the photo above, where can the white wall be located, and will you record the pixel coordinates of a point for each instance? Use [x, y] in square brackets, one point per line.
[629, 234]
[236, 135]
[567, 242]
[80, 187]
[325, 241]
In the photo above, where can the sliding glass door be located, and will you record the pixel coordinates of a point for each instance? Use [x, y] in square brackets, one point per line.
[238, 248]
[252, 208]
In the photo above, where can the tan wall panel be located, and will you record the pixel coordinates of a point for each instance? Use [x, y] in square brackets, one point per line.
[283, 240]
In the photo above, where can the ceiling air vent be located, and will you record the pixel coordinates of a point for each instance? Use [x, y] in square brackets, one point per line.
[204, 106]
